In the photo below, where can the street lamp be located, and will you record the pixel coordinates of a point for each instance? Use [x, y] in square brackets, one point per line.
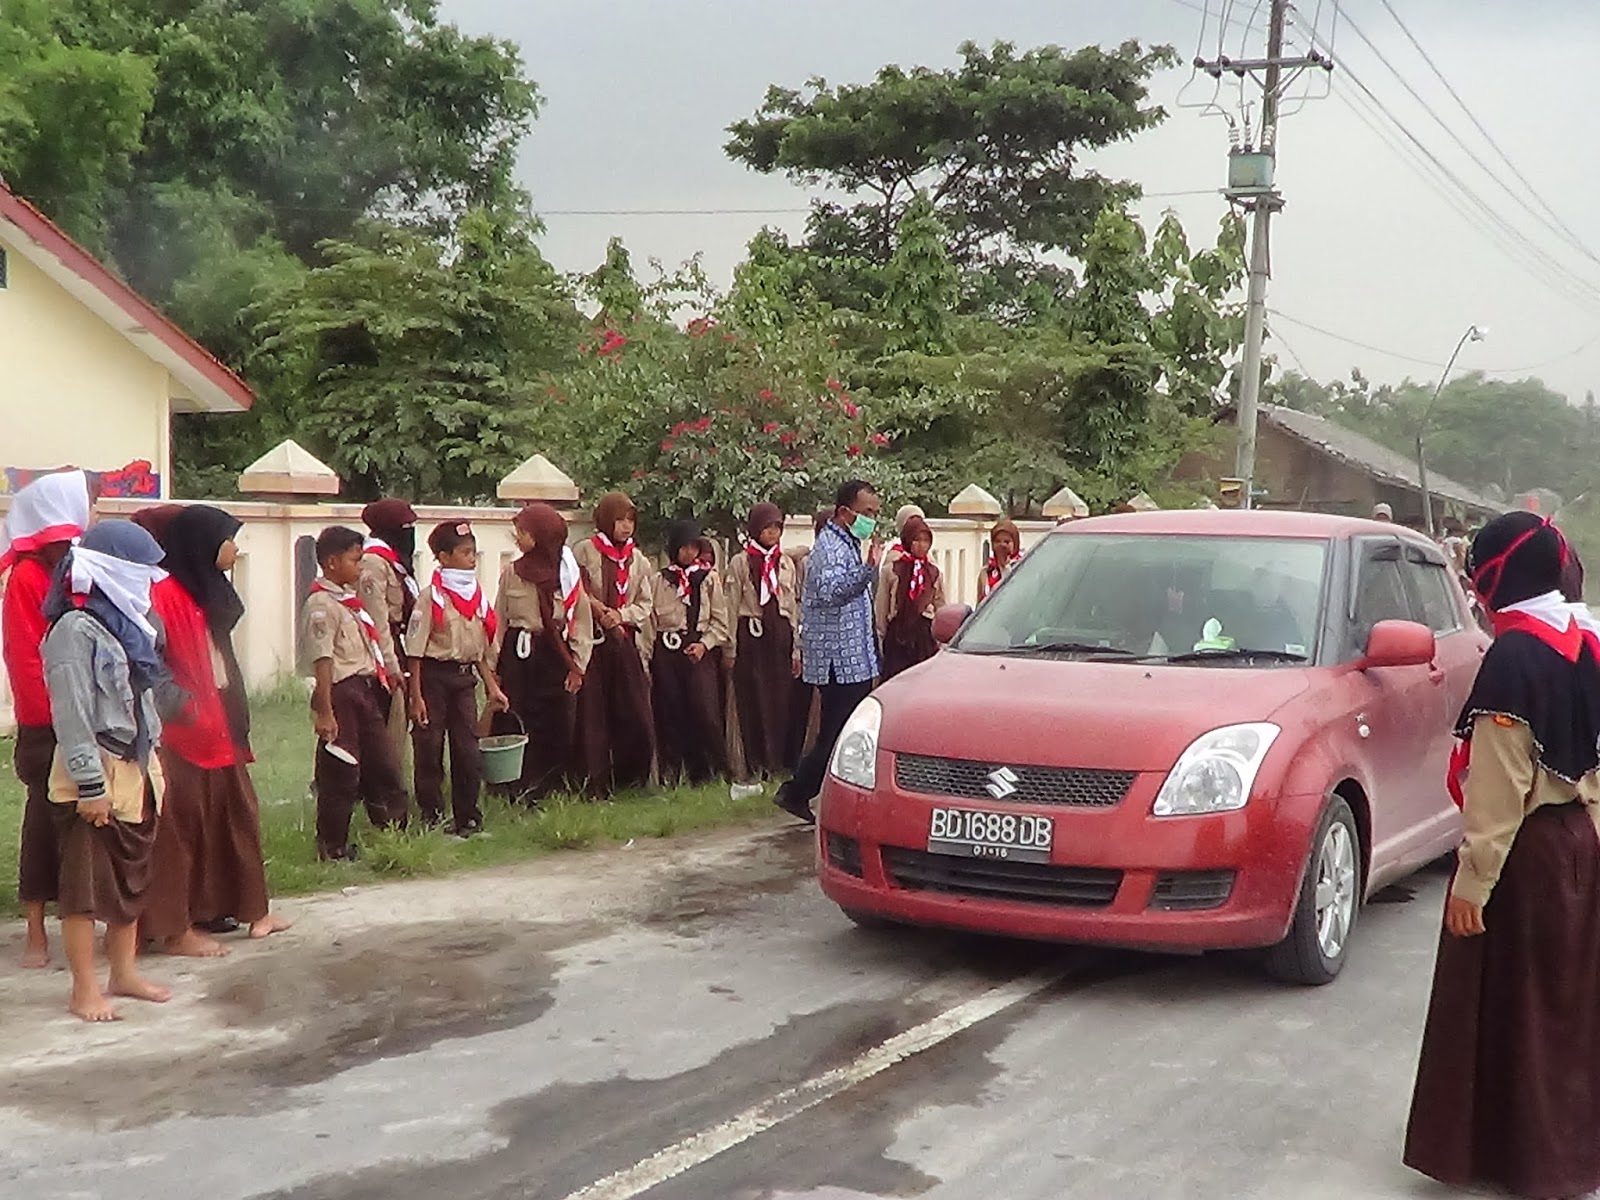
[1474, 333]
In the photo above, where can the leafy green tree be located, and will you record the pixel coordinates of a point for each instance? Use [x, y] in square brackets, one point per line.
[70, 116]
[995, 144]
[418, 369]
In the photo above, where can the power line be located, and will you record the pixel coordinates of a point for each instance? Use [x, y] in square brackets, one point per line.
[1572, 237]
[751, 212]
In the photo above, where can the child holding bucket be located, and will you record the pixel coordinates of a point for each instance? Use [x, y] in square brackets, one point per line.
[451, 631]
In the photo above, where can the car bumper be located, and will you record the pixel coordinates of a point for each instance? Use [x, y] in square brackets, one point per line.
[1117, 876]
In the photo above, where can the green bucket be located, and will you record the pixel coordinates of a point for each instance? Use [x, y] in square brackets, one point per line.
[502, 756]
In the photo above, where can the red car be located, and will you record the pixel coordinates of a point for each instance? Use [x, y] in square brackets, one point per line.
[1176, 731]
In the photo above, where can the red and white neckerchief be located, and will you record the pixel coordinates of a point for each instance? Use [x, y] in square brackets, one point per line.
[382, 549]
[919, 575]
[770, 560]
[621, 555]
[571, 588]
[466, 595]
[684, 578]
[368, 626]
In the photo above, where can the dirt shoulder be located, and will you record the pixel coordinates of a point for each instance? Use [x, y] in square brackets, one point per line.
[369, 971]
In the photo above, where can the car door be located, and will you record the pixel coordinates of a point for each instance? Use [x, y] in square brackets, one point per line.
[1461, 645]
[1400, 711]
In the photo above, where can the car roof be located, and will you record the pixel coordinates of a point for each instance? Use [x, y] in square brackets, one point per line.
[1262, 523]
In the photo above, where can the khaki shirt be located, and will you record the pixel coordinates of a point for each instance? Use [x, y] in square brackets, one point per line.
[671, 614]
[1504, 784]
[636, 606]
[330, 630]
[886, 604]
[517, 606]
[384, 595]
[744, 597]
[458, 639]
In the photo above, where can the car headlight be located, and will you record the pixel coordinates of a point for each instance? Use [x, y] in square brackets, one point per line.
[855, 754]
[1216, 773]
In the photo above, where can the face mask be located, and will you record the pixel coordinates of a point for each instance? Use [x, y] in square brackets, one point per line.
[862, 527]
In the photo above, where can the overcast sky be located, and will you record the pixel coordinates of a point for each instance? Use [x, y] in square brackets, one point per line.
[638, 94]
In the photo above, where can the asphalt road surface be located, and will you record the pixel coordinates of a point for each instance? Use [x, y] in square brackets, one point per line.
[717, 1030]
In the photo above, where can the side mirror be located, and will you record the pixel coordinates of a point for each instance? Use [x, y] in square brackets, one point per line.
[948, 620]
[1399, 644]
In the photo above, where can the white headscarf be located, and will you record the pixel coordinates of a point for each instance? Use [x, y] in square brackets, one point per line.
[124, 572]
[53, 508]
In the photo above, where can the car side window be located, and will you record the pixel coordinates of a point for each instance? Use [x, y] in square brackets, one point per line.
[1435, 594]
[1380, 593]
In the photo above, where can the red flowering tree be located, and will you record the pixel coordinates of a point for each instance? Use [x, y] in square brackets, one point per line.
[709, 416]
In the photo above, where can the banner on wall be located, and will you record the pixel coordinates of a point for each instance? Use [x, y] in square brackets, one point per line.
[136, 481]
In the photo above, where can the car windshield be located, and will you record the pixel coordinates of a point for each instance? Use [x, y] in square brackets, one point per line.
[1138, 597]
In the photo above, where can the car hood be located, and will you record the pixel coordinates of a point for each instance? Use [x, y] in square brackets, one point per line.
[1055, 712]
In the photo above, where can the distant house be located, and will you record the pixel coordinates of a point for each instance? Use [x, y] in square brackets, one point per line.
[1304, 461]
[91, 372]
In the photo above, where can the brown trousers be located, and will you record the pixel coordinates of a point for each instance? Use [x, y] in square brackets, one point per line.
[691, 739]
[39, 862]
[361, 706]
[450, 690]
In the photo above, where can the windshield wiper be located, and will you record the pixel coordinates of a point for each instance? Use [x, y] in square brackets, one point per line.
[1054, 648]
[1237, 652]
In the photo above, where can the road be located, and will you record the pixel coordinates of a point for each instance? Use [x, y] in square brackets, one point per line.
[696, 1021]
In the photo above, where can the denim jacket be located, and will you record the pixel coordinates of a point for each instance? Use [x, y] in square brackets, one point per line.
[92, 702]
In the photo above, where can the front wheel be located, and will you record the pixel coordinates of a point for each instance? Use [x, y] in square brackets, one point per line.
[1330, 900]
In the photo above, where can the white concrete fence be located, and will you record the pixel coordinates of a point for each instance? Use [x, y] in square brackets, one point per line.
[276, 563]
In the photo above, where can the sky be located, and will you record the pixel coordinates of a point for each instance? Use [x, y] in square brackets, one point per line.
[1378, 263]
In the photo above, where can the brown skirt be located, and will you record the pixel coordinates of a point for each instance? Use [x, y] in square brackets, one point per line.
[208, 861]
[1508, 1085]
[615, 730]
[906, 643]
[105, 870]
[38, 860]
[763, 686]
[536, 686]
[690, 735]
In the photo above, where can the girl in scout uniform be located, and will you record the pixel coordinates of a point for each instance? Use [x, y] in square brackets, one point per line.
[690, 623]
[765, 652]
[451, 631]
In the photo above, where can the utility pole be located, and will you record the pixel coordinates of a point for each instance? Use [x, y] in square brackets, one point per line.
[1251, 179]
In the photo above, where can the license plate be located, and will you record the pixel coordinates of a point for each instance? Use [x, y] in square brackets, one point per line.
[970, 833]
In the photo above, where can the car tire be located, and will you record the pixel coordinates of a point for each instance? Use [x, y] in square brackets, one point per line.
[1330, 901]
[869, 921]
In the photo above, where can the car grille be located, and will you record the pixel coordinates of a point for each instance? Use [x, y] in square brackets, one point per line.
[1191, 891]
[1076, 787]
[992, 879]
[844, 853]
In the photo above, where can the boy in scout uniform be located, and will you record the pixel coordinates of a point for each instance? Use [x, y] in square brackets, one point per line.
[350, 704]
[451, 631]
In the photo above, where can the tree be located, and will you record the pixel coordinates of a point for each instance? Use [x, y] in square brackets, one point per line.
[418, 370]
[994, 143]
[70, 116]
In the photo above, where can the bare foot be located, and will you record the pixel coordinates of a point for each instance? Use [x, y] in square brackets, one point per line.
[35, 955]
[194, 944]
[137, 987]
[92, 1007]
[269, 925]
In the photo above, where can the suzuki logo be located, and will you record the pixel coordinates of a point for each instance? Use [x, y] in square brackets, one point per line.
[1002, 783]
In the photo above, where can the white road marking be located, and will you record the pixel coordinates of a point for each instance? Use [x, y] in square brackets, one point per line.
[674, 1160]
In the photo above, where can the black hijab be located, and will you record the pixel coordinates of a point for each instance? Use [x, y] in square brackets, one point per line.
[1547, 679]
[192, 540]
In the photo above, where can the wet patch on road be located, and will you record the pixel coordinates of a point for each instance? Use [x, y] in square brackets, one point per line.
[690, 901]
[369, 995]
[568, 1136]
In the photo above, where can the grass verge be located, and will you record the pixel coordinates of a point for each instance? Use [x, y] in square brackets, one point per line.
[282, 774]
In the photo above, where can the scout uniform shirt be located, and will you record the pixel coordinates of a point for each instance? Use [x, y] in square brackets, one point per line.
[635, 607]
[518, 608]
[744, 597]
[386, 594]
[886, 604]
[1498, 800]
[671, 614]
[459, 639]
[330, 630]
